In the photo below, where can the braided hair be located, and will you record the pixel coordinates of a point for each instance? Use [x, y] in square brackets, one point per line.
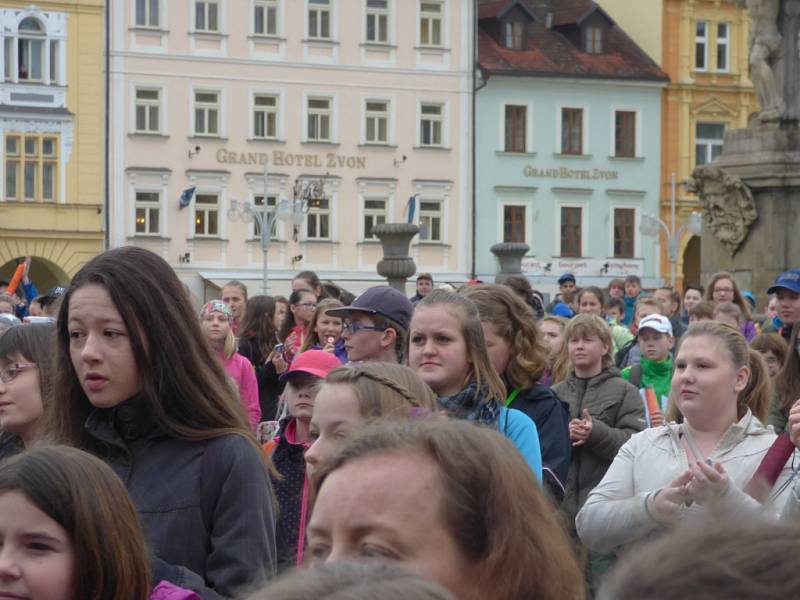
[384, 389]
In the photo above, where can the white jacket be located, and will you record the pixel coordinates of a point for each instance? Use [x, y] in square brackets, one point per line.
[617, 512]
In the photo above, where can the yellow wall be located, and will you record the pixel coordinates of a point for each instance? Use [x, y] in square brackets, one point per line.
[62, 237]
[694, 96]
[641, 20]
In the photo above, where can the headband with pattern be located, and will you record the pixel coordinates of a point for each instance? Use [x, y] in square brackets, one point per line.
[216, 306]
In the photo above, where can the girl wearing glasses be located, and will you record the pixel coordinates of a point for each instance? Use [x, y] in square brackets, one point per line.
[294, 328]
[325, 331]
[723, 288]
[25, 371]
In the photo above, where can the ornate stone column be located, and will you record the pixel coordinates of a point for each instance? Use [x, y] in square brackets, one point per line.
[397, 266]
[510, 255]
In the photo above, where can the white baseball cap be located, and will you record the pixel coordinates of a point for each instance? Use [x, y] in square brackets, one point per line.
[658, 322]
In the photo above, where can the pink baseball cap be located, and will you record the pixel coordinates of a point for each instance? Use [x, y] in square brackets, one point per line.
[312, 362]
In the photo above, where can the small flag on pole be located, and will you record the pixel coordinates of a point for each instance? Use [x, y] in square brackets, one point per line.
[186, 197]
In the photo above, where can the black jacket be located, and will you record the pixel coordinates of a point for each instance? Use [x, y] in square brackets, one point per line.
[10, 445]
[551, 416]
[269, 387]
[205, 507]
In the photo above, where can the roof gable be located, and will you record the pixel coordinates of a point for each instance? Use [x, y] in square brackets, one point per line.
[503, 8]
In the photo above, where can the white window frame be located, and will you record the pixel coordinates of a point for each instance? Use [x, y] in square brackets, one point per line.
[148, 24]
[220, 4]
[374, 213]
[148, 206]
[333, 129]
[266, 5]
[445, 120]
[220, 106]
[431, 17]
[585, 129]
[310, 6]
[388, 115]
[723, 43]
[314, 212]
[709, 143]
[584, 206]
[501, 206]
[377, 13]
[637, 219]
[197, 209]
[159, 104]
[700, 39]
[637, 134]
[594, 40]
[428, 214]
[277, 111]
[529, 125]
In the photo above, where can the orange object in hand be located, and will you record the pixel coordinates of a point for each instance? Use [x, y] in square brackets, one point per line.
[14, 283]
[652, 401]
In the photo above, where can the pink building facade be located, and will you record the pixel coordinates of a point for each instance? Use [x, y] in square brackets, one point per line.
[372, 98]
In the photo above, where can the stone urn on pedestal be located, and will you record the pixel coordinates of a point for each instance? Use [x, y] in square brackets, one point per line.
[510, 255]
[397, 266]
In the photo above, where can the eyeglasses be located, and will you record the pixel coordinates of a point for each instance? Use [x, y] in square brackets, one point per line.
[307, 304]
[10, 373]
[356, 327]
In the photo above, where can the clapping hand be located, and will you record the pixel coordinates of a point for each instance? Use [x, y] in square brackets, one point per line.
[708, 483]
[669, 501]
[580, 429]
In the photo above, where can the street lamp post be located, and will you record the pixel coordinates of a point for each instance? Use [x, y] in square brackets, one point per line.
[293, 211]
[651, 225]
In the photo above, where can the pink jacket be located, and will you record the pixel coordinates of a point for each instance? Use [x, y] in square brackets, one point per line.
[241, 370]
[168, 591]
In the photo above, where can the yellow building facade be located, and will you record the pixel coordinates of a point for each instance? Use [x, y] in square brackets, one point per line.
[705, 54]
[52, 129]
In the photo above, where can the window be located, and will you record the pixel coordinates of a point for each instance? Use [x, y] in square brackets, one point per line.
[30, 51]
[516, 128]
[266, 17]
[206, 215]
[265, 116]
[430, 220]
[206, 113]
[378, 21]
[593, 40]
[571, 131]
[148, 105]
[318, 219]
[147, 13]
[319, 119]
[514, 223]
[625, 134]
[430, 24]
[319, 19]
[514, 35]
[430, 125]
[31, 167]
[374, 214]
[377, 124]
[723, 36]
[624, 232]
[708, 142]
[206, 16]
[148, 205]
[272, 202]
[571, 231]
[700, 45]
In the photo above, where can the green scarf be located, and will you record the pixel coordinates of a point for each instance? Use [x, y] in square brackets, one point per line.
[657, 373]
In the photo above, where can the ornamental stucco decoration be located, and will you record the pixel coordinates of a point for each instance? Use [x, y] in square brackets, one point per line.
[728, 204]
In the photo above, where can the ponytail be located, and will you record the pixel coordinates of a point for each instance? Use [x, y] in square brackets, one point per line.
[756, 395]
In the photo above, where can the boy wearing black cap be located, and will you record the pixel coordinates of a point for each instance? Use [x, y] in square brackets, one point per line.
[376, 325]
[787, 291]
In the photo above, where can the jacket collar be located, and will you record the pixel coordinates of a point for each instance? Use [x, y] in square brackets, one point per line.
[747, 426]
[125, 422]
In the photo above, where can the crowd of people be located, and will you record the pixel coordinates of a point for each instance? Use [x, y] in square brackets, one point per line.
[464, 443]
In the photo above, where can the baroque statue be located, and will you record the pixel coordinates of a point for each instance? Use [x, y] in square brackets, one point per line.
[728, 204]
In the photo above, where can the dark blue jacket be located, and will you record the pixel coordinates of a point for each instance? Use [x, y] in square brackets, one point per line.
[551, 416]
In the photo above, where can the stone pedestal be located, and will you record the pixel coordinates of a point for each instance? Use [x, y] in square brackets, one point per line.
[397, 266]
[766, 157]
[510, 255]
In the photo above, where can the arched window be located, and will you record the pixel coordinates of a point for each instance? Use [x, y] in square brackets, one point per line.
[30, 50]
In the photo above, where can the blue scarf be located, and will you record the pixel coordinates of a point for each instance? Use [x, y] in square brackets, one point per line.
[471, 406]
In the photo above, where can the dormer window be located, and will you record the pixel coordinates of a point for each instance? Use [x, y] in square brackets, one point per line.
[514, 35]
[593, 40]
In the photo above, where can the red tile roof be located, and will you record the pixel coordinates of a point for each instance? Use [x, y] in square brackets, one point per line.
[551, 54]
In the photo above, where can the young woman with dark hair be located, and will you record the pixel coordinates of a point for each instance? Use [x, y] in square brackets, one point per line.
[723, 288]
[308, 280]
[294, 328]
[69, 532]
[138, 385]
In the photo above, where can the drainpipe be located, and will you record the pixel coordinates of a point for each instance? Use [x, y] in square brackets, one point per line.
[475, 89]
[107, 141]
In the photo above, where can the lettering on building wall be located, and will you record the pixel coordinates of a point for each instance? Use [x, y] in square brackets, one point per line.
[280, 158]
[566, 173]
